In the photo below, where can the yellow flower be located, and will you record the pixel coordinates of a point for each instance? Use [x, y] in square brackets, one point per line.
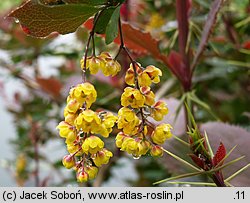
[68, 161]
[149, 75]
[111, 67]
[91, 171]
[21, 163]
[129, 145]
[149, 96]
[156, 151]
[69, 117]
[72, 106]
[128, 121]
[93, 64]
[137, 147]
[161, 133]
[107, 122]
[84, 92]
[101, 157]
[66, 130]
[130, 74]
[120, 139]
[88, 121]
[82, 176]
[72, 149]
[143, 147]
[156, 21]
[132, 97]
[92, 145]
[159, 110]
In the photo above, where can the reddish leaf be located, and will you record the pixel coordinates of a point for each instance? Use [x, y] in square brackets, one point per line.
[220, 155]
[142, 43]
[208, 28]
[19, 33]
[138, 41]
[134, 40]
[40, 20]
[199, 162]
[246, 45]
[51, 86]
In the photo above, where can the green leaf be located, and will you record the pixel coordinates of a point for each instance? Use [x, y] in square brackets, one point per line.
[103, 20]
[205, 106]
[238, 172]
[112, 27]
[40, 20]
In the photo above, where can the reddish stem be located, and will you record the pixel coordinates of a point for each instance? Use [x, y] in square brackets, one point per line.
[183, 28]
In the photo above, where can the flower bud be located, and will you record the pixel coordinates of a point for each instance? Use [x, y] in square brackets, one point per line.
[156, 151]
[68, 161]
[82, 176]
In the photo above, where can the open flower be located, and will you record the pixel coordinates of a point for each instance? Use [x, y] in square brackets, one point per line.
[130, 74]
[69, 117]
[149, 95]
[128, 121]
[92, 145]
[66, 130]
[93, 63]
[107, 123]
[149, 75]
[72, 106]
[161, 133]
[132, 97]
[88, 121]
[84, 92]
[111, 67]
[137, 147]
[159, 110]
[101, 157]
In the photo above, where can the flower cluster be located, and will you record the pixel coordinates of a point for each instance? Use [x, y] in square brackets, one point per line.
[103, 62]
[139, 136]
[81, 128]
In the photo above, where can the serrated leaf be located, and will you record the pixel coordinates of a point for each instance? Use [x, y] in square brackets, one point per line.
[112, 27]
[103, 20]
[208, 28]
[135, 39]
[219, 155]
[39, 20]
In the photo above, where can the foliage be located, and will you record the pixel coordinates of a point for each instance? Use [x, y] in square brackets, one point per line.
[204, 52]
